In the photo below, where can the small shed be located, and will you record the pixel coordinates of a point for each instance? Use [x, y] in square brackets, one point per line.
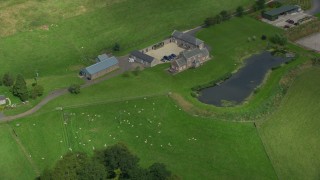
[144, 59]
[102, 57]
[275, 13]
[2, 100]
[99, 69]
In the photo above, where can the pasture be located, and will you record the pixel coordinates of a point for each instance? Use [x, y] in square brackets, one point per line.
[291, 135]
[14, 163]
[155, 129]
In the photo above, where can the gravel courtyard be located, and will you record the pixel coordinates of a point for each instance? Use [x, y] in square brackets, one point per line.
[168, 49]
[312, 42]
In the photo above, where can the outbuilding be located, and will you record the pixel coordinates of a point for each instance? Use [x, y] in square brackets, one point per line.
[275, 13]
[186, 41]
[2, 100]
[102, 57]
[99, 69]
[143, 58]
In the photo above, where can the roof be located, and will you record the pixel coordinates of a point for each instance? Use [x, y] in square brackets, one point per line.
[102, 57]
[180, 62]
[142, 56]
[194, 52]
[187, 38]
[100, 66]
[2, 97]
[281, 9]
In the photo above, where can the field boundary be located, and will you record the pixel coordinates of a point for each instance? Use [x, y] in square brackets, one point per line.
[24, 150]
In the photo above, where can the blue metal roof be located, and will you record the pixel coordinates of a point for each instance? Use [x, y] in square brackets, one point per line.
[100, 66]
[102, 57]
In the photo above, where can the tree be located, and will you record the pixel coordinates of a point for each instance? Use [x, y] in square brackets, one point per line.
[240, 11]
[158, 171]
[7, 79]
[260, 4]
[74, 89]
[218, 19]
[225, 15]
[36, 91]
[119, 157]
[20, 89]
[210, 21]
[116, 47]
[92, 170]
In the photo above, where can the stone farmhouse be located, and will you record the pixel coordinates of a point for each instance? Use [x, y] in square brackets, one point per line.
[2, 100]
[104, 65]
[190, 59]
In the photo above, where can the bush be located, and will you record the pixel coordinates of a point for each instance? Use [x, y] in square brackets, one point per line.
[279, 39]
[263, 37]
[116, 47]
[74, 89]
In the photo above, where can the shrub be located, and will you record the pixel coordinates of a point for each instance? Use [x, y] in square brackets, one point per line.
[136, 71]
[74, 89]
[116, 47]
[263, 37]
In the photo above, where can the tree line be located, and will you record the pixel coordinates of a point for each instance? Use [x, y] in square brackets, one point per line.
[226, 15]
[18, 86]
[114, 162]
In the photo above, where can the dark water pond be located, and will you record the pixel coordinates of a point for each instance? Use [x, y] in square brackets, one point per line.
[236, 89]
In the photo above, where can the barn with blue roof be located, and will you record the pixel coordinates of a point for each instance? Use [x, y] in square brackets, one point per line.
[101, 68]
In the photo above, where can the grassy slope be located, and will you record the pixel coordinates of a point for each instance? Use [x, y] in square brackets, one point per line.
[222, 150]
[292, 134]
[13, 164]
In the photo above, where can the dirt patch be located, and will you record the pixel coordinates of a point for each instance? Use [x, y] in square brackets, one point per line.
[189, 107]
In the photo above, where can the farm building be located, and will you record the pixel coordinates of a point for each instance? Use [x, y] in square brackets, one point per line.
[99, 69]
[186, 41]
[102, 57]
[275, 13]
[144, 59]
[190, 59]
[2, 100]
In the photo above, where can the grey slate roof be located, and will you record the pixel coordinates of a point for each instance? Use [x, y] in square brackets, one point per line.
[181, 62]
[194, 52]
[142, 56]
[100, 66]
[187, 38]
[281, 9]
[102, 57]
[2, 97]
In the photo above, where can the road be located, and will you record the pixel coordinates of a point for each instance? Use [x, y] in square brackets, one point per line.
[124, 66]
[315, 8]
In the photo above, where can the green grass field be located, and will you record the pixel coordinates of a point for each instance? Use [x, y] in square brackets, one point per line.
[291, 135]
[14, 164]
[192, 146]
[155, 129]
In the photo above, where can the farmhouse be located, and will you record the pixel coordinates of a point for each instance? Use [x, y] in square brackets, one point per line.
[275, 13]
[143, 58]
[99, 69]
[190, 59]
[2, 100]
[186, 41]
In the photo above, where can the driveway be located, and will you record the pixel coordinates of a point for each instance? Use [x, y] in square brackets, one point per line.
[123, 64]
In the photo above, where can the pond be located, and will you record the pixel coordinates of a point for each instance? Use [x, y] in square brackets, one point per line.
[241, 85]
